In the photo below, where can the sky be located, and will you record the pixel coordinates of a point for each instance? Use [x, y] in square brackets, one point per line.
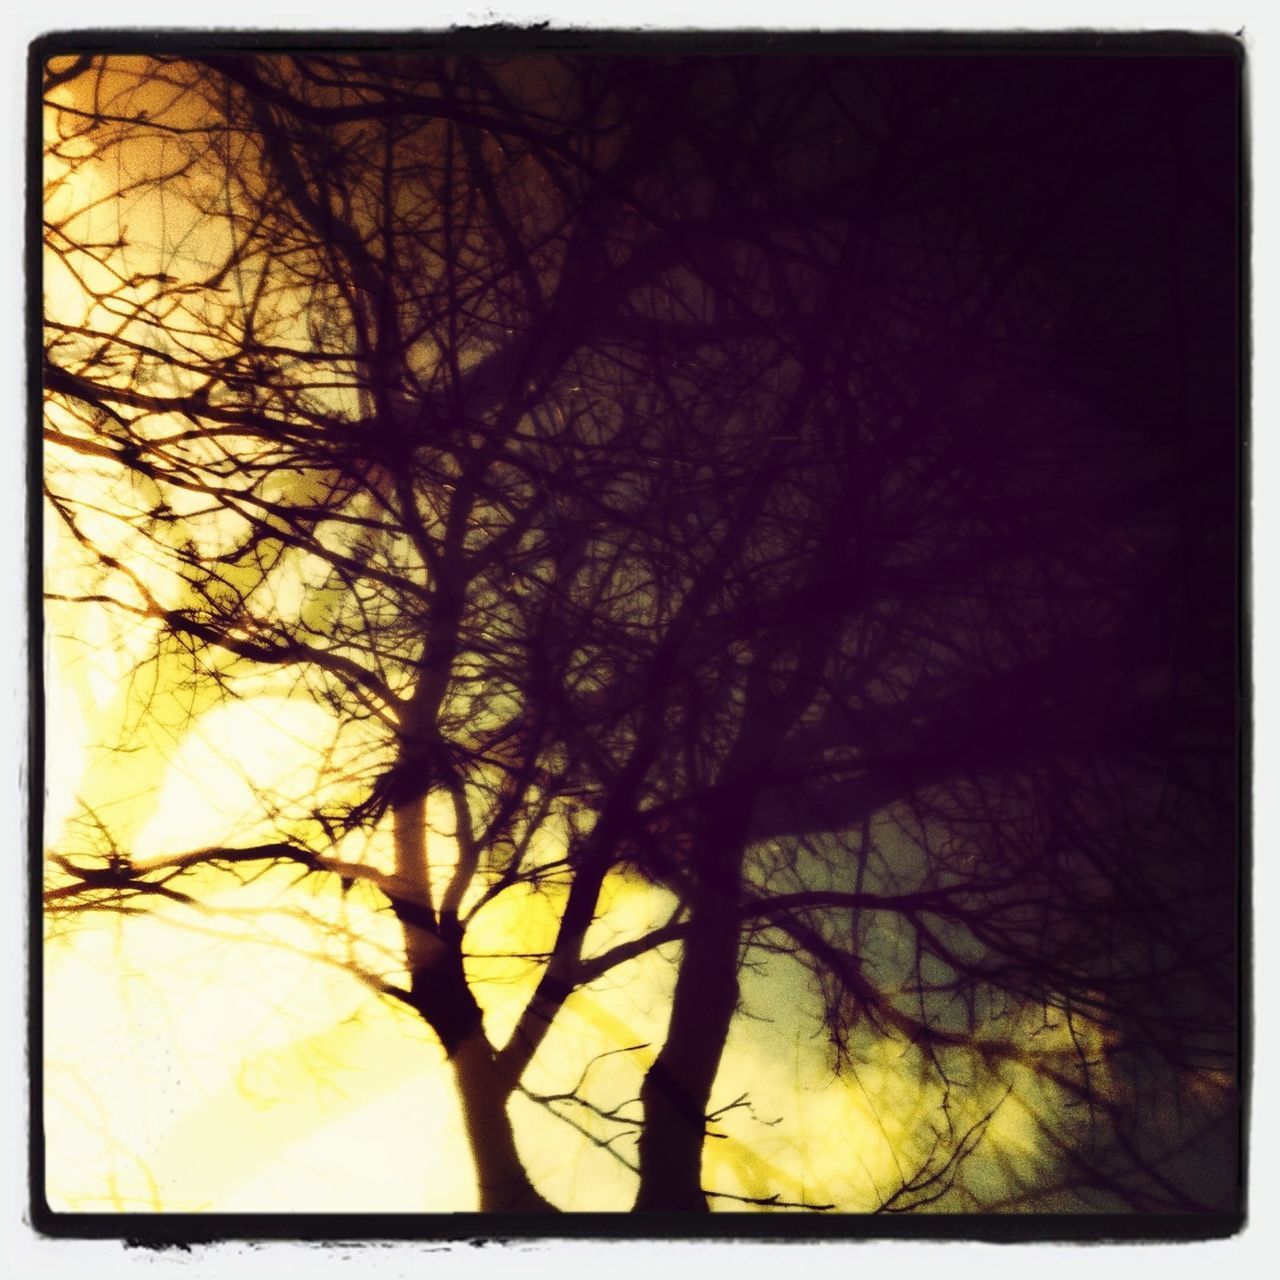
[39, 1259]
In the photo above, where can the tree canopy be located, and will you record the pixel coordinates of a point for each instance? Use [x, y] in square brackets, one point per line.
[760, 528]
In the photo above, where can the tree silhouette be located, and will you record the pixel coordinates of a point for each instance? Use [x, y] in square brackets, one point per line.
[803, 487]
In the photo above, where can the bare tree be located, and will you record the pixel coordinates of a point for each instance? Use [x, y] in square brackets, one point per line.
[754, 474]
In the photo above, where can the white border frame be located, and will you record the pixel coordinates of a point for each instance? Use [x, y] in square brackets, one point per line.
[29, 1255]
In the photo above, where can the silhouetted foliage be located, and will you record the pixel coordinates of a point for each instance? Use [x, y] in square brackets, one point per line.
[804, 485]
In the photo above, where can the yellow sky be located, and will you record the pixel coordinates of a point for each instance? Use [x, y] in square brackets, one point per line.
[208, 1061]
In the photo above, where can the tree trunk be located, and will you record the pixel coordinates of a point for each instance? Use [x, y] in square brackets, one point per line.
[503, 1184]
[677, 1087]
[439, 992]
[443, 998]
